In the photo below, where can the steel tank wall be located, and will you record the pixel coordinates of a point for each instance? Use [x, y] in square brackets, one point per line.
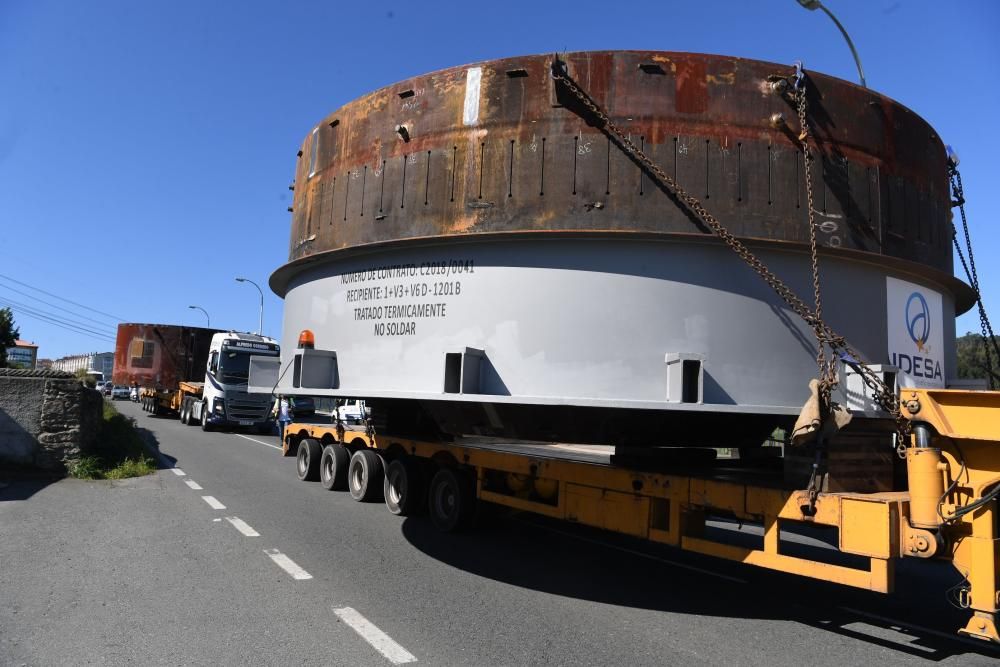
[161, 355]
[586, 321]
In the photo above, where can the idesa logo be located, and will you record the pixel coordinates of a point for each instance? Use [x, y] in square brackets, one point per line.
[918, 320]
[918, 325]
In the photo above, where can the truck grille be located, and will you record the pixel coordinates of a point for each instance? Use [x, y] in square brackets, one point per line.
[244, 407]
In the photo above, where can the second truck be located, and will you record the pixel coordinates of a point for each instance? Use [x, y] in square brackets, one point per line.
[195, 373]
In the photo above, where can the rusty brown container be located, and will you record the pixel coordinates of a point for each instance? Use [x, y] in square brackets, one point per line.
[161, 355]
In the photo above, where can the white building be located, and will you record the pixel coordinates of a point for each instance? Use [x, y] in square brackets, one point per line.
[92, 361]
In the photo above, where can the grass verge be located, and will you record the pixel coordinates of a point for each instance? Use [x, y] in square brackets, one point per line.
[118, 453]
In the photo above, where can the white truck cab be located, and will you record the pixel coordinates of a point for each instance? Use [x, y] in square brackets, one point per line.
[226, 401]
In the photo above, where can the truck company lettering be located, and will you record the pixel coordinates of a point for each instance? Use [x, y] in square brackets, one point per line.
[249, 345]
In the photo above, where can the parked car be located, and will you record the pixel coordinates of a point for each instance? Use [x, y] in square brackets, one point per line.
[352, 412]
[301, 406]
[119, 391]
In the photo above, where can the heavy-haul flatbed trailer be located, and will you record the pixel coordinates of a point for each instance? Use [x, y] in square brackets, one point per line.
[949, 511]
[160, 402]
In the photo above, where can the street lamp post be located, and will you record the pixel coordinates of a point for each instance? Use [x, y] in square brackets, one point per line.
[208, 320]
[260, 325]
[813, 5]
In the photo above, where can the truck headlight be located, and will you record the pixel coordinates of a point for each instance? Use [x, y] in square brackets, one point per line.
[219, 405]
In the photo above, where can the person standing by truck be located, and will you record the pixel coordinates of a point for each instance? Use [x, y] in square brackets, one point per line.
[281, 412]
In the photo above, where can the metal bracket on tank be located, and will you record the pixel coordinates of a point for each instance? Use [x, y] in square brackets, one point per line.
[315, 369]
[857, 394]
[462, 371]
[685, 377]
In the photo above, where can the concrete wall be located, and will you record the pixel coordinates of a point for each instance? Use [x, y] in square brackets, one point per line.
[47, 418]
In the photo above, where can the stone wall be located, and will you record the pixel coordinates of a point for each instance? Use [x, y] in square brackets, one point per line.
[47, 418]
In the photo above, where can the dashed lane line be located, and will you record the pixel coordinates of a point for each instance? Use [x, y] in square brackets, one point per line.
[177, 471]
[287, 564]
[242, 526]
[260, 442]
[382, 642]
[193, 484]
[213, 503]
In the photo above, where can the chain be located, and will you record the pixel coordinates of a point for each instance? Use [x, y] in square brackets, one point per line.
[884, 395]
[826, 370]
[986, 330]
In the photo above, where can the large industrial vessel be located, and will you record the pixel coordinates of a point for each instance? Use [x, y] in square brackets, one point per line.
[472, 245]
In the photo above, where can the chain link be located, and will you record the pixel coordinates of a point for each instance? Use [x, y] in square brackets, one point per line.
[986, 330]
[884, 395]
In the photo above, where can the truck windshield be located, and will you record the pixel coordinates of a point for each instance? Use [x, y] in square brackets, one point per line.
[234, 367]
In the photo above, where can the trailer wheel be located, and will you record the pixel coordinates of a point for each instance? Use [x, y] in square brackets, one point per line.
[452, 500]
[333, 466]
[307, 460]
[205, 426]
[186, 411]
[403, 486]
[364, 476]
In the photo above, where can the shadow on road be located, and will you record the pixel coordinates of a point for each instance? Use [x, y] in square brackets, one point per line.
[578, 562]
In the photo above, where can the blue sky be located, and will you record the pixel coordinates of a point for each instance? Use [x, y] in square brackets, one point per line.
[146, 147]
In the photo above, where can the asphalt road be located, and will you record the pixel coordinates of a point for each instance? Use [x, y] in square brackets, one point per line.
[150, 572]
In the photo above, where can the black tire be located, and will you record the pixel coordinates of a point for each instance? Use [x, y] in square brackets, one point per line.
[205, 426]
[307, 460]
[333, 466]
[186, 411]
[451, 500]
[403, 487]
[364, 475]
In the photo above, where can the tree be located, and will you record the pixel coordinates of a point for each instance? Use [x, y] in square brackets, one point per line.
[972, 359]
[8, 334]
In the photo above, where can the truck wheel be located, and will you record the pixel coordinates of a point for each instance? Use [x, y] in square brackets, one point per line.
[307, 460]
[185, 411]
[333, 467]
[452, 500]
[403, 487]
[364, 476]
[205, 426]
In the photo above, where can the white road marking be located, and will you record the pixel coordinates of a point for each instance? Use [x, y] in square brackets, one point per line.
[287, 564]
[216, 520]
[242, 526]
[193, 484]
[261, 442]
[177, 471]
[213, 503]
[910, 626]
[382, 642]
[633, 552]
